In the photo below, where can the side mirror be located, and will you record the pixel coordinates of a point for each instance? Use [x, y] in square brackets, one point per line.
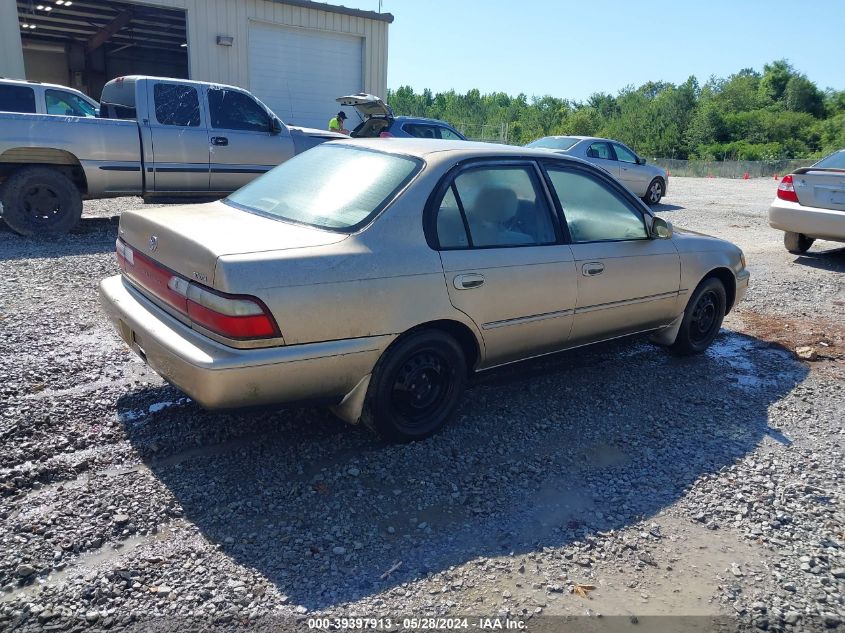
[640, 160]
[275, 126]
[660, 229]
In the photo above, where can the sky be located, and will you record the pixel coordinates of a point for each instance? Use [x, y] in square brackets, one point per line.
[571, 49]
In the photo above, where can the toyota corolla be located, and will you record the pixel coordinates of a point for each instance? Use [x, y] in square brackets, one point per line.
[375, 276]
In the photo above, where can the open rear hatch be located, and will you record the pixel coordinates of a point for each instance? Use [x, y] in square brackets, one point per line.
[368, 105]
[820, 187]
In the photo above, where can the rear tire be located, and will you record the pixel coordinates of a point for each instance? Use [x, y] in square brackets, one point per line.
[40, 201]
[703, 317]
[797, 243]
[655, 191]
[416, 387]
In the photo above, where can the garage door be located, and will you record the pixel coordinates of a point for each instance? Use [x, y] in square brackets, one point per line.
[299, 73]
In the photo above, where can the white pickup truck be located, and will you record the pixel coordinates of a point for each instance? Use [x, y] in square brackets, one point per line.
[154, 137]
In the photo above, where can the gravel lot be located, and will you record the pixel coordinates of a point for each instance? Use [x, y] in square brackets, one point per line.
[614, 481]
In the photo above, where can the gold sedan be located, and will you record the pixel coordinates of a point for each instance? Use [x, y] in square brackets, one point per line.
[375, 275]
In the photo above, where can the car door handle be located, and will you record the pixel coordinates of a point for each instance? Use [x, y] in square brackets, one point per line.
[591, 269]
[468, 281]
[219, 140]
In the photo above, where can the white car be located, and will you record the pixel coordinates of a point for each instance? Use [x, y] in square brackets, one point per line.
[649, 182]
[810, 204]
[34, 97]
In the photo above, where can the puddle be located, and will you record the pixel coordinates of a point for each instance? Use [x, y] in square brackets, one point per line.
[84, 564]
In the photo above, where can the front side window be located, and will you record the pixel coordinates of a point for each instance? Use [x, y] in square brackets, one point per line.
[501, 206]
[624, 154]
[446, 133]
[595, 212]
[68, 104]
[600, 150]
[332, 186]
[17, 99]
[177, 105]
[232, 110]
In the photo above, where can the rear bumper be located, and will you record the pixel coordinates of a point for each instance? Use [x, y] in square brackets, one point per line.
[217, 376]
[792, 217]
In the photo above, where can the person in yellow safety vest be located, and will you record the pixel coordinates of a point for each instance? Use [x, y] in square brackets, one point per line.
[336, 124]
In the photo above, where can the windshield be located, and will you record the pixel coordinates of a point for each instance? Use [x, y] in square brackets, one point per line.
[332, 186]
[834, 161]
[553, 142]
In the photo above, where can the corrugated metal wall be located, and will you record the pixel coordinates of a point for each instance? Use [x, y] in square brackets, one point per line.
[230, 64]
[11, 53]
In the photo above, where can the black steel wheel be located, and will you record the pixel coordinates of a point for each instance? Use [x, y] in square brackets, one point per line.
[702, 318]
[416, 386]
[40, 201]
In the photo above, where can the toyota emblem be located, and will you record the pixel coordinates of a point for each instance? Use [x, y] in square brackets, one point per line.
[153, 242]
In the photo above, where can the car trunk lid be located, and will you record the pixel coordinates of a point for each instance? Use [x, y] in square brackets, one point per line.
[820, 187]
[189, 239]
[368, 105]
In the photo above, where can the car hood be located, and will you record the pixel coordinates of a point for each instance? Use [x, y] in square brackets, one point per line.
[689, 241]
[368, 105]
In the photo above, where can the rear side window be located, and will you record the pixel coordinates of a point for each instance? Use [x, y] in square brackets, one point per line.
[420, 131]
[177, 105]
[600, 150]
[500, 206]
[232, 110]
[17, 99]
[593, 211]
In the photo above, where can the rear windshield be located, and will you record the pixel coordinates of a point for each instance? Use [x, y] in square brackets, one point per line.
[834, 161]
[550, 142]
[333, 186]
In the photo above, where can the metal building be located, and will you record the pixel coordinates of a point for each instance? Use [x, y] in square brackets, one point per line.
[295, 55]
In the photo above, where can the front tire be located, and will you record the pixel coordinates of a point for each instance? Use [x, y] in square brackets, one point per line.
[416, 387]
[655, 191]
[702, 318]
[797, 243]
[40, 201]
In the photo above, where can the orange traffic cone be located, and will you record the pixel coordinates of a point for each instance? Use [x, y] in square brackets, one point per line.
[776, 177]
[668, 173]
[745, 176]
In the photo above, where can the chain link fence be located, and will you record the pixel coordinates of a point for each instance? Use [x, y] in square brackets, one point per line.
[731, 168]
[487, 132]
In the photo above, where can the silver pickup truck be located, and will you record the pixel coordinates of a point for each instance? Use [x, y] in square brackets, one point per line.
[155, 138]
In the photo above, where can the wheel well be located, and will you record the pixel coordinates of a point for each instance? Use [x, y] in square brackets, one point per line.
[727, 278]
[15, 159]
[457, 330]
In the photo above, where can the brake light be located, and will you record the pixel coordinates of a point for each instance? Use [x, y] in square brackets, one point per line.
[233, 316]
[786, 190]
[237, 317]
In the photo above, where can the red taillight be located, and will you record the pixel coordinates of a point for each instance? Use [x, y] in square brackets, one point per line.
[233, 316]
[786, 190]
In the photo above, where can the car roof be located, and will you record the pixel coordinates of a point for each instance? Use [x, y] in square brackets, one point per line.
[28, 82]
[439, 149]
[419, 119]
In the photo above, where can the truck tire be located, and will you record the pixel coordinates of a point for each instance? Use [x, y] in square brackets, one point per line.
[40, 201]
